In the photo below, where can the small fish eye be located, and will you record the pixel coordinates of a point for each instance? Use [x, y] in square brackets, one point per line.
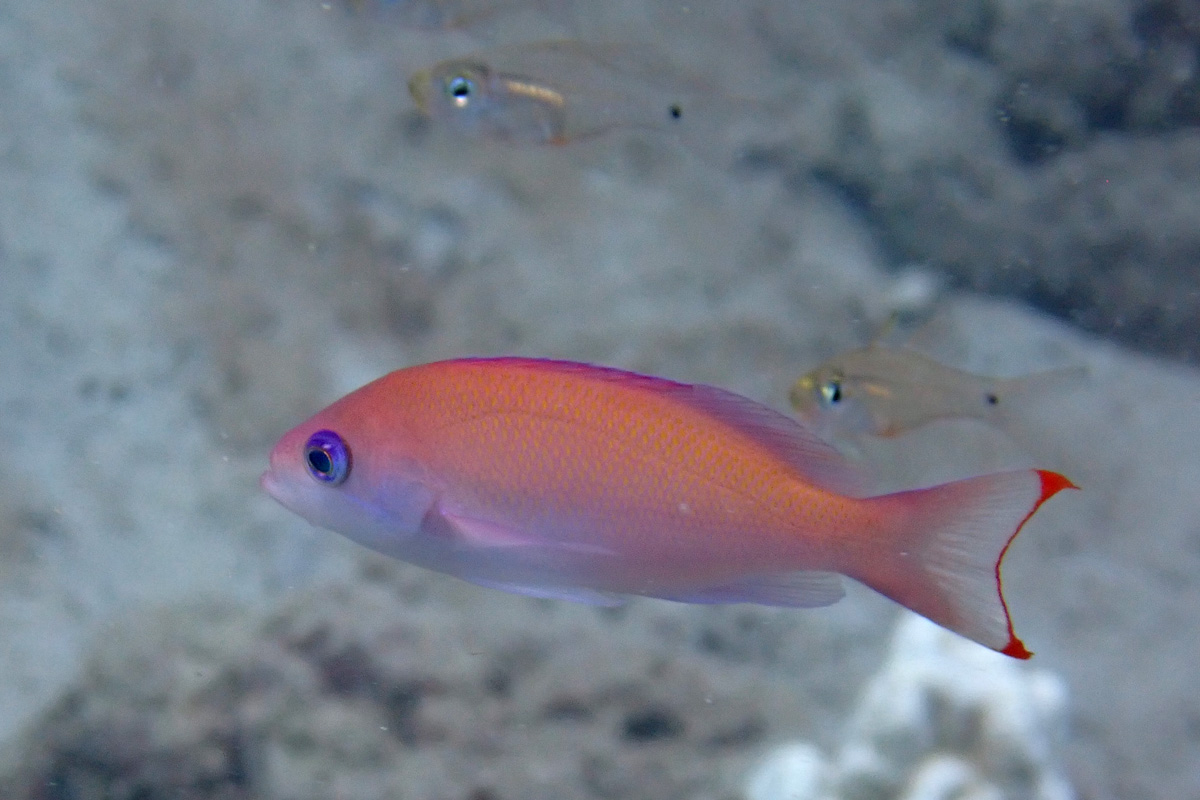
[327, 457]
[460, 89]
[831, 392]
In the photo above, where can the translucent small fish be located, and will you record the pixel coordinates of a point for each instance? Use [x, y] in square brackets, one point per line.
[886, 391]
[556, 92]
[576, 482]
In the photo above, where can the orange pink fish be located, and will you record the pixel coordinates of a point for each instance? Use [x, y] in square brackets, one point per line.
[565, 480]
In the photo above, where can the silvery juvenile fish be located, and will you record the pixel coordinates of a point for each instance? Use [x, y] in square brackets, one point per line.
[577, 482]
[886, 391]
[557, 92]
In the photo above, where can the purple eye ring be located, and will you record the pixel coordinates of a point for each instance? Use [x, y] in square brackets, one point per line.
[327, 457]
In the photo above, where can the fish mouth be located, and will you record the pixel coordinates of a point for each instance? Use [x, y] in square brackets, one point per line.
[282, 492]
[418, 89]
[270, 484]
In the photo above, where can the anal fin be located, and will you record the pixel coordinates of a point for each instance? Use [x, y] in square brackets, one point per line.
[574, 594]
[805, 589]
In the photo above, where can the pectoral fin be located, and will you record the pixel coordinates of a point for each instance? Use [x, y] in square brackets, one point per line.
[514, 560]
[481, 533]
[473, 532]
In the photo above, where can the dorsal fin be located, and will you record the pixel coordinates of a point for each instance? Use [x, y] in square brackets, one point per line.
[817, 461]
[814, 459]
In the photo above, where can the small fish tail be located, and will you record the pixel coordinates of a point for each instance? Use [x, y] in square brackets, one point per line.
[950, 549]
[1037, 383]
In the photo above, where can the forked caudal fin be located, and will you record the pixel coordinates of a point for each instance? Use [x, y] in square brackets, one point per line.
[949, 551]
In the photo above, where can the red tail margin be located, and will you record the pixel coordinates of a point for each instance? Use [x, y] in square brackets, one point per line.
[1052, 484]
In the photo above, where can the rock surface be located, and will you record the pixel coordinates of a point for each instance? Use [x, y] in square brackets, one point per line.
[218, 217]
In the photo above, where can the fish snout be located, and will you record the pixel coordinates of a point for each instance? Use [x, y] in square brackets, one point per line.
[275, 478]
[800, 395]
[418, 89]
[284, 491]
[267, 482]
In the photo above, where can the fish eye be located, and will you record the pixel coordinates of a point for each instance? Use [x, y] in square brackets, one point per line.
[327, 457]
[460, 89]
[831, 392]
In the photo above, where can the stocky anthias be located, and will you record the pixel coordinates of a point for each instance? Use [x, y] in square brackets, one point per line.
[564, 480]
